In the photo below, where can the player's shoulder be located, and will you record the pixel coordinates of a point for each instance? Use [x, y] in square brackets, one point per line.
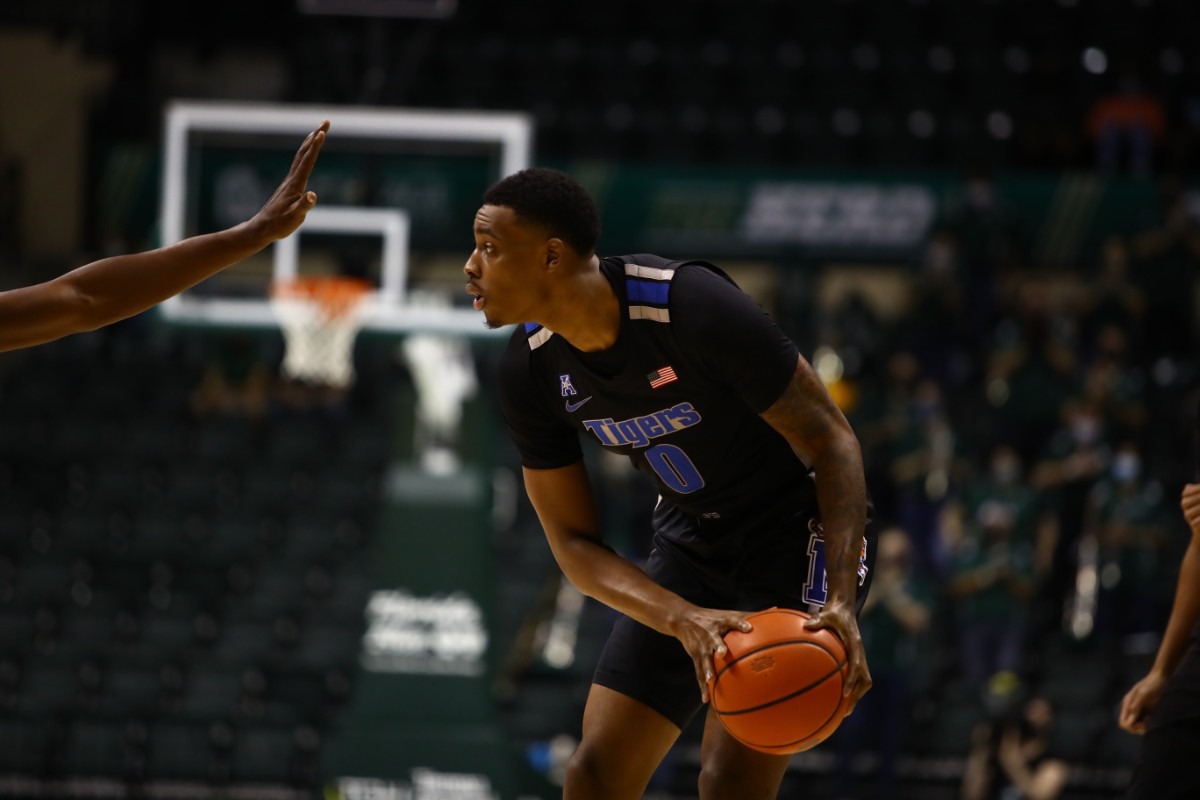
[648, 265]
[654, 284]
[526, 338]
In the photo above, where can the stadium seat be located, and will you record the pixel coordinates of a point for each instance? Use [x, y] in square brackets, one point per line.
[222, 441]
[119, 485]
[242, 642]
[129, 692]
[181, 751]
[42, 582]
[292, 698]
[25, 746]
[166, 634]
[159, 536]
[325, 648]
[209, 695]
[16, 631]
[225, 539]
[95, 749]
[267, 755]
[49, 688]
[87, 632]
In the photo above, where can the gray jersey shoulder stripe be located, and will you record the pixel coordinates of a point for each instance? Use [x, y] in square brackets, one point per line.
[653, 273]
[650, 313]
[539, 338]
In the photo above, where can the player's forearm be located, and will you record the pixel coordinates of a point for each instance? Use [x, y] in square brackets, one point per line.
[600, 573]
[121, 286]
[1184, 612]
[842, 499]
[806, 416]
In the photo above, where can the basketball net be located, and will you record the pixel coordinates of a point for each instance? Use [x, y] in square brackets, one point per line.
[320, 316]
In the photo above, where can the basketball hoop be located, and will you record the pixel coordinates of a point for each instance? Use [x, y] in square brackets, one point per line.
[320, 316]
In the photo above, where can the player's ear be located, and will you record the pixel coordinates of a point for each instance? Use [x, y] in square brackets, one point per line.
[554, 253]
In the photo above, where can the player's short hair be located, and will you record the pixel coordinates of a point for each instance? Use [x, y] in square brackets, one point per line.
[553, 200]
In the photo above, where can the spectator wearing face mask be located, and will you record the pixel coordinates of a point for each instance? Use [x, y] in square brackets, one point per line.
[992, 586]
[1126, 526]
[922, 465]
[1003, 480]
[1077, 455]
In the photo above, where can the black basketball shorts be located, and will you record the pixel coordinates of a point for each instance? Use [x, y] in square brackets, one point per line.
[784, 568]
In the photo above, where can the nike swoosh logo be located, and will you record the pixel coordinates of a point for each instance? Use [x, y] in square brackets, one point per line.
[573, 407]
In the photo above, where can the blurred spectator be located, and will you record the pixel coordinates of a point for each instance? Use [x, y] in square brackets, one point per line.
[1076, 456]
[881, 415]
[1012, 759]
[992, 584]
[1031, 369]
[896, 612]
[235, 380]
[1114, 299]
[921, 467]
[1126, 522]
[1115, 383]
[936, 325]
[989, 248]
[1126, 125]
[1004, 482]
[1166, 258]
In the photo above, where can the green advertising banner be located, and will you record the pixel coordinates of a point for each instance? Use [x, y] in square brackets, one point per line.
[714, 212]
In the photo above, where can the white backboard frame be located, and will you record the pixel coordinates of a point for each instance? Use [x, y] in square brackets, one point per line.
[388, 309]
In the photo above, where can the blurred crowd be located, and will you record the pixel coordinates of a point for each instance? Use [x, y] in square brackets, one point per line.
[1026, 436]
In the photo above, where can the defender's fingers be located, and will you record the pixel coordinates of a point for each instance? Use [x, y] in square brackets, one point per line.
[311, 146]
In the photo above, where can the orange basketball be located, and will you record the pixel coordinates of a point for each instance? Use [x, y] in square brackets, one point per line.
[778, 688]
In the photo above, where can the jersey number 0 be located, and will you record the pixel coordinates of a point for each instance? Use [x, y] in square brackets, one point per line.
[674, 468]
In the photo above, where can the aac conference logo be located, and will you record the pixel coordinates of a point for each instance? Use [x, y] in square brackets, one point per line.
[435, 635]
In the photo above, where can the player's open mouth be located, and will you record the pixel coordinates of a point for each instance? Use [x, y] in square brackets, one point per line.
[477, 302]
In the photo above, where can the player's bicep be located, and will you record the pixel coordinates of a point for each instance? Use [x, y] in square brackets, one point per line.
[806, 415]
[36, 314]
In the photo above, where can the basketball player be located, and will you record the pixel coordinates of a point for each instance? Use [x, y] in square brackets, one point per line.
[672, 365]
[1165, 705]
[112, 289]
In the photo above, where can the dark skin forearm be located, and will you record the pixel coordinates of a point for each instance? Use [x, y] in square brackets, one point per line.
[1144, 696]
[1184, 612]
[566, 508]
[806, 416]
[114, 288]
[821, 437]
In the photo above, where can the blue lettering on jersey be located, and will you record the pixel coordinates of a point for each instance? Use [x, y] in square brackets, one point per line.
[639, 431]
[564, 381]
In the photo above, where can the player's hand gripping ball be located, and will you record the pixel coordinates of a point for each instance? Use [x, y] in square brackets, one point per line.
[778, 688]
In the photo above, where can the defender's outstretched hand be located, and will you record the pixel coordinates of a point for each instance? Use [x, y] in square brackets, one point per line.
[112, 289]
[286, 209]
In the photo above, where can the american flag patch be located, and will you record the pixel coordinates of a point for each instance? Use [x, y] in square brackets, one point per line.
[661, 377]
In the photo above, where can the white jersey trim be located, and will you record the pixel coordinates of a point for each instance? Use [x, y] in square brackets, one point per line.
[539, 338]
[650, 313]
[653, 273]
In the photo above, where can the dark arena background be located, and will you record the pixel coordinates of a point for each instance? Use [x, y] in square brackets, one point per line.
[979, 220]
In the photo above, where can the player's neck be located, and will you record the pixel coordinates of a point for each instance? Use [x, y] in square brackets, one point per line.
[587, 312]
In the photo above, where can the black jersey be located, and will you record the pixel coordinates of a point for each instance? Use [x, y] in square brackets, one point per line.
[679, 392]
